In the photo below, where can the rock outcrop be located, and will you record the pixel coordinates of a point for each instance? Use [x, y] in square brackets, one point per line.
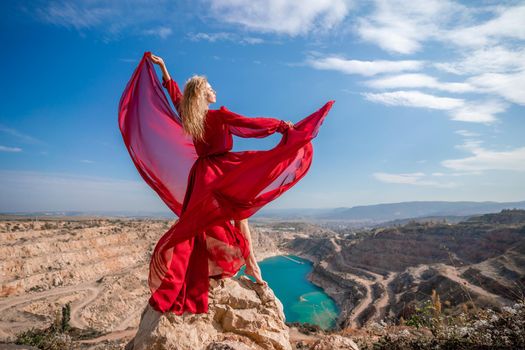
[241, 315]
[334, 342]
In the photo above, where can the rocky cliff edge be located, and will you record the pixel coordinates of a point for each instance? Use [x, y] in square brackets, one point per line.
[242, 315]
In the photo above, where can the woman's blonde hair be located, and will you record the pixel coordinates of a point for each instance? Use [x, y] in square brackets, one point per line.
[194, 106]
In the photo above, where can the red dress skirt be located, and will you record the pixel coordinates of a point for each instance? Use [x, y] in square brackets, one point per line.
[205, 184]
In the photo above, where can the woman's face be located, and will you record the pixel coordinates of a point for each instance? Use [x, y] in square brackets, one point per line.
[210, 94]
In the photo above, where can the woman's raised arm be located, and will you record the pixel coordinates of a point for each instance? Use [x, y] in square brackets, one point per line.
[158, 60]
[252, 126]
[170, 84]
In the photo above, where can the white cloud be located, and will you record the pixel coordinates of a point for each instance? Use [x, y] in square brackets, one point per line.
[161, 32]
[466, 133]
[416, 179]
[112, 19]
[224, 36]
[484, 159]
[407, 178]
[251, 40]
[414, 99]
[458, 109]
[366, 68]
[10, 149]
[470, 145]
[211, 37]
[78, 15]
[487, 38]
[489, 59]
[507, 24]
[464, 173]
[418, 81]
[282, 16]
[509, 86]
[20, 136]
[478, 112]
[398, 28]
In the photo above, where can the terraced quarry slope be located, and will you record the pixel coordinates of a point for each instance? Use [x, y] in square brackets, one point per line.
[381, 273]
[100, 266]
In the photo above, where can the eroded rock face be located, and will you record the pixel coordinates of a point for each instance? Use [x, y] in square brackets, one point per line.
[334, 342]
[241, 315]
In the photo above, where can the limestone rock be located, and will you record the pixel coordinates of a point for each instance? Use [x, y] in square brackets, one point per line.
[241, 315]
[334, 342]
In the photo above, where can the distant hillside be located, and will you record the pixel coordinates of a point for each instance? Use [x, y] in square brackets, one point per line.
[359, 215]
[394, 211]
[422, 219]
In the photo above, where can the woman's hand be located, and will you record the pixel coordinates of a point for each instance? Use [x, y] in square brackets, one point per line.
[284, 125]
[157, 60]
[160, 62]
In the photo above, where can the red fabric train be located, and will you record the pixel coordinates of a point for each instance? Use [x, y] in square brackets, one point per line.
[205, 184]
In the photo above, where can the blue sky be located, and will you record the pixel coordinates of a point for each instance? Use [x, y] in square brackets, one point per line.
[429, 99]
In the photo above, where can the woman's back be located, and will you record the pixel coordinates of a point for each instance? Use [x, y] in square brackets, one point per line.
[217, 139]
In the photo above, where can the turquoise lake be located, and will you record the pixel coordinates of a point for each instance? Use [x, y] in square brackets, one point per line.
[302, 300]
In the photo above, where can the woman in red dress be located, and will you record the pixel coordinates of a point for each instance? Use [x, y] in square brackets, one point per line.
[186, 158]
[200, 95]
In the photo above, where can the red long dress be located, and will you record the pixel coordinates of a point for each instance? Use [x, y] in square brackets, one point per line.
[205, 184]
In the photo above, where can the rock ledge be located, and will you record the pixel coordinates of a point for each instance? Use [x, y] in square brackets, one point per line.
[242, 315]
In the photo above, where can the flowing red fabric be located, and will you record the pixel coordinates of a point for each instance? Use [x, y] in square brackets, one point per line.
[205, 184]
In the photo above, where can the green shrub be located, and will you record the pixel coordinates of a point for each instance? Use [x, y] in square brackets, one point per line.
[46, 339]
